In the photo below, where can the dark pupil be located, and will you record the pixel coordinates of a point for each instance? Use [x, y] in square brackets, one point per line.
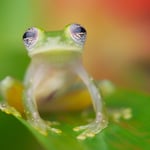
[80, 30]
[29, 35]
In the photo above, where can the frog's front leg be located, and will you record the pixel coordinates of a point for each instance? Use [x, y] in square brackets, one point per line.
[32, 113]
[101, 119]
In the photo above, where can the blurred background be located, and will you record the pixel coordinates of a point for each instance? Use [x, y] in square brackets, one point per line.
[118, 42]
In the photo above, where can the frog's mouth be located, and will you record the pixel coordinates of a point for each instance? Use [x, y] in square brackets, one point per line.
[57, 56]
[56, 50]
[52, 45]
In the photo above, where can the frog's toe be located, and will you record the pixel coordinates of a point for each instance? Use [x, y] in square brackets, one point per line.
[122, 113]
[55, 130]
[44, 126]
[91, 129]
[9, 110]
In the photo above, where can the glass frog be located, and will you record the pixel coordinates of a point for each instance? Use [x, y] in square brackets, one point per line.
[55, 69]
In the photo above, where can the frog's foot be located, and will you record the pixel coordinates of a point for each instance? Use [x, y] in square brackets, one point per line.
[9, 110]
[44, 126]
[118, 114]
[92, 129]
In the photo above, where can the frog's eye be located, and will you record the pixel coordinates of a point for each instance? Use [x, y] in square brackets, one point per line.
[30, 37]
[78, 33]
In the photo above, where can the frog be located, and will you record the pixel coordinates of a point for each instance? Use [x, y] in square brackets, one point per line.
[56, 69]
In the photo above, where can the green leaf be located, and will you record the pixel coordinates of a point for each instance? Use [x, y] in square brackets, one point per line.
[130, 134]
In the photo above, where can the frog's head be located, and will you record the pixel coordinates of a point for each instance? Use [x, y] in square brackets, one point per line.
[71, 39]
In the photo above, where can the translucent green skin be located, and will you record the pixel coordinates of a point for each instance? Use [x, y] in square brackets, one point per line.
[55, 64]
